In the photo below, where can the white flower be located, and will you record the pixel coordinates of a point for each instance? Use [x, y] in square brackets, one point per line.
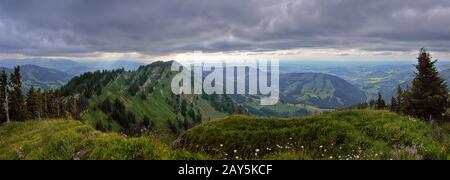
[235, 151]
[221, 145]
[257, 150]
[320, 146]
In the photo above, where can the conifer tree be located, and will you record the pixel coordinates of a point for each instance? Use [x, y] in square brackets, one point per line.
[381, 104]
[34, 103]
[4, 98]
[31, 101]
[39, 103]
[17, 107]
[399, 99]
[427, 97]
[394, 107]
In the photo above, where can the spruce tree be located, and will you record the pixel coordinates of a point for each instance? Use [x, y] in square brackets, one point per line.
[427, 98]
[381, 104]
[39, 103]
[4, 98]
[33, 103]
[18, 109]
[399, 99]
[394, 107]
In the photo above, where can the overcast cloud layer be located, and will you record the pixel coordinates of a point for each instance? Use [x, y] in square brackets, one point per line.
[62, 27]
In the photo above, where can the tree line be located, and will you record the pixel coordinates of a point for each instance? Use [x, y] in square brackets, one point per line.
[36, 103]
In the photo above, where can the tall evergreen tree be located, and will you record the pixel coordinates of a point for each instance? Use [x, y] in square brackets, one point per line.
[427, 98]
[399, 99]
[394, 107]
[4, 98]
[18, 109]
[381, 104]
[40, 103]
[34, 103]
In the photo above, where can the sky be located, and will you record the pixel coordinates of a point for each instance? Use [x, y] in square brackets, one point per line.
[148, 30]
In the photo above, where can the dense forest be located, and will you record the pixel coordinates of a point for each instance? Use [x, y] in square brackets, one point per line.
[36, 104]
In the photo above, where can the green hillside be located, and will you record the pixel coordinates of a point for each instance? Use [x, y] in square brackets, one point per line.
[145, 94]
[68, 139]
[281, 109]
[355, 134]
[320, 90]
[303, 94]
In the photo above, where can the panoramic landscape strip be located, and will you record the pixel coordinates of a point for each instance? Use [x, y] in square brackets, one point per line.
[225, 88]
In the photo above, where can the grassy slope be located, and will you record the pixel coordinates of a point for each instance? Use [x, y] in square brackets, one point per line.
[67, 139]
[353, 134]
[154, 105]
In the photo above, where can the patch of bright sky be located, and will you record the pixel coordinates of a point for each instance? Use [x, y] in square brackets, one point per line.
[335, 55]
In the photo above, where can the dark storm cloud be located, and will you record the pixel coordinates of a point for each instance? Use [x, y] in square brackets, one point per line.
[54, 27]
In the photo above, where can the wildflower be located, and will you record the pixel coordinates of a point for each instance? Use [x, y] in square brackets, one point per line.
[235, 151]
[320, 146]
[257, 150]
[221, 145]
[331, 157]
